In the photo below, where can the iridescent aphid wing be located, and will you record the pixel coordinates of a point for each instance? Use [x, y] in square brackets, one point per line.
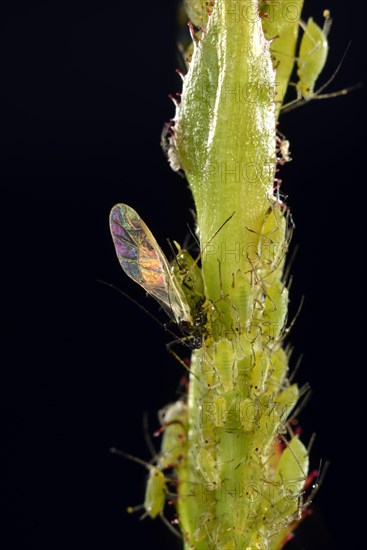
[144, 262]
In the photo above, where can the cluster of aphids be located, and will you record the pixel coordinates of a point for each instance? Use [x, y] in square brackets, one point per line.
[162, 482]
[179, 288]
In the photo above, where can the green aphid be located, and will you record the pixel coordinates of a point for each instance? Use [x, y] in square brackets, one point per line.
[282, 22]
[250, 412]
[293, 467]
[156, 488]
[285, 502]
[259, 372]
[241, 294]
[226, 364]
[197, 12]
[188, 274]
[275, 311]
[287, 400]
[220, 411]
[312, 57]
[155, 492]
[273, 243]
[207, 466]
[278, 370]
[173, 420]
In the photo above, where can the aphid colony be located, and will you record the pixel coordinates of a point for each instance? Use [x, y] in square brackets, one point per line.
[240, 376]
[244, 396]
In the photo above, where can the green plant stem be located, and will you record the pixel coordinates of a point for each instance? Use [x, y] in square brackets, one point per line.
[234, 481]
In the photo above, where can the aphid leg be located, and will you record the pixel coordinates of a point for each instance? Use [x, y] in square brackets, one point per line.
[298, 364]
[311, 442]
[137, 508]
[318, 95]
[321, 473]
[301, 100]
[290, 326]
[169, 525]
[182, 363]
[147, 437]
[287, 277]
[301, 405]
[213, 237]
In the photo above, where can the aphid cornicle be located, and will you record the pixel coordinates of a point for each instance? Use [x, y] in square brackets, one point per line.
[144, 262]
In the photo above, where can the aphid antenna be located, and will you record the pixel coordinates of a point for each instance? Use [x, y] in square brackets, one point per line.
[222, 295]
[329, 81]
[295, 370]
[310, 445]
[162, 325]
[178, 358]
[191, 230]
[133, 458]
[258, 233]
[186, 246]
[174, 254]
[211, 238]
[287, 278]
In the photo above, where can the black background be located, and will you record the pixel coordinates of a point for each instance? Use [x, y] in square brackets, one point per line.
[83, 99]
